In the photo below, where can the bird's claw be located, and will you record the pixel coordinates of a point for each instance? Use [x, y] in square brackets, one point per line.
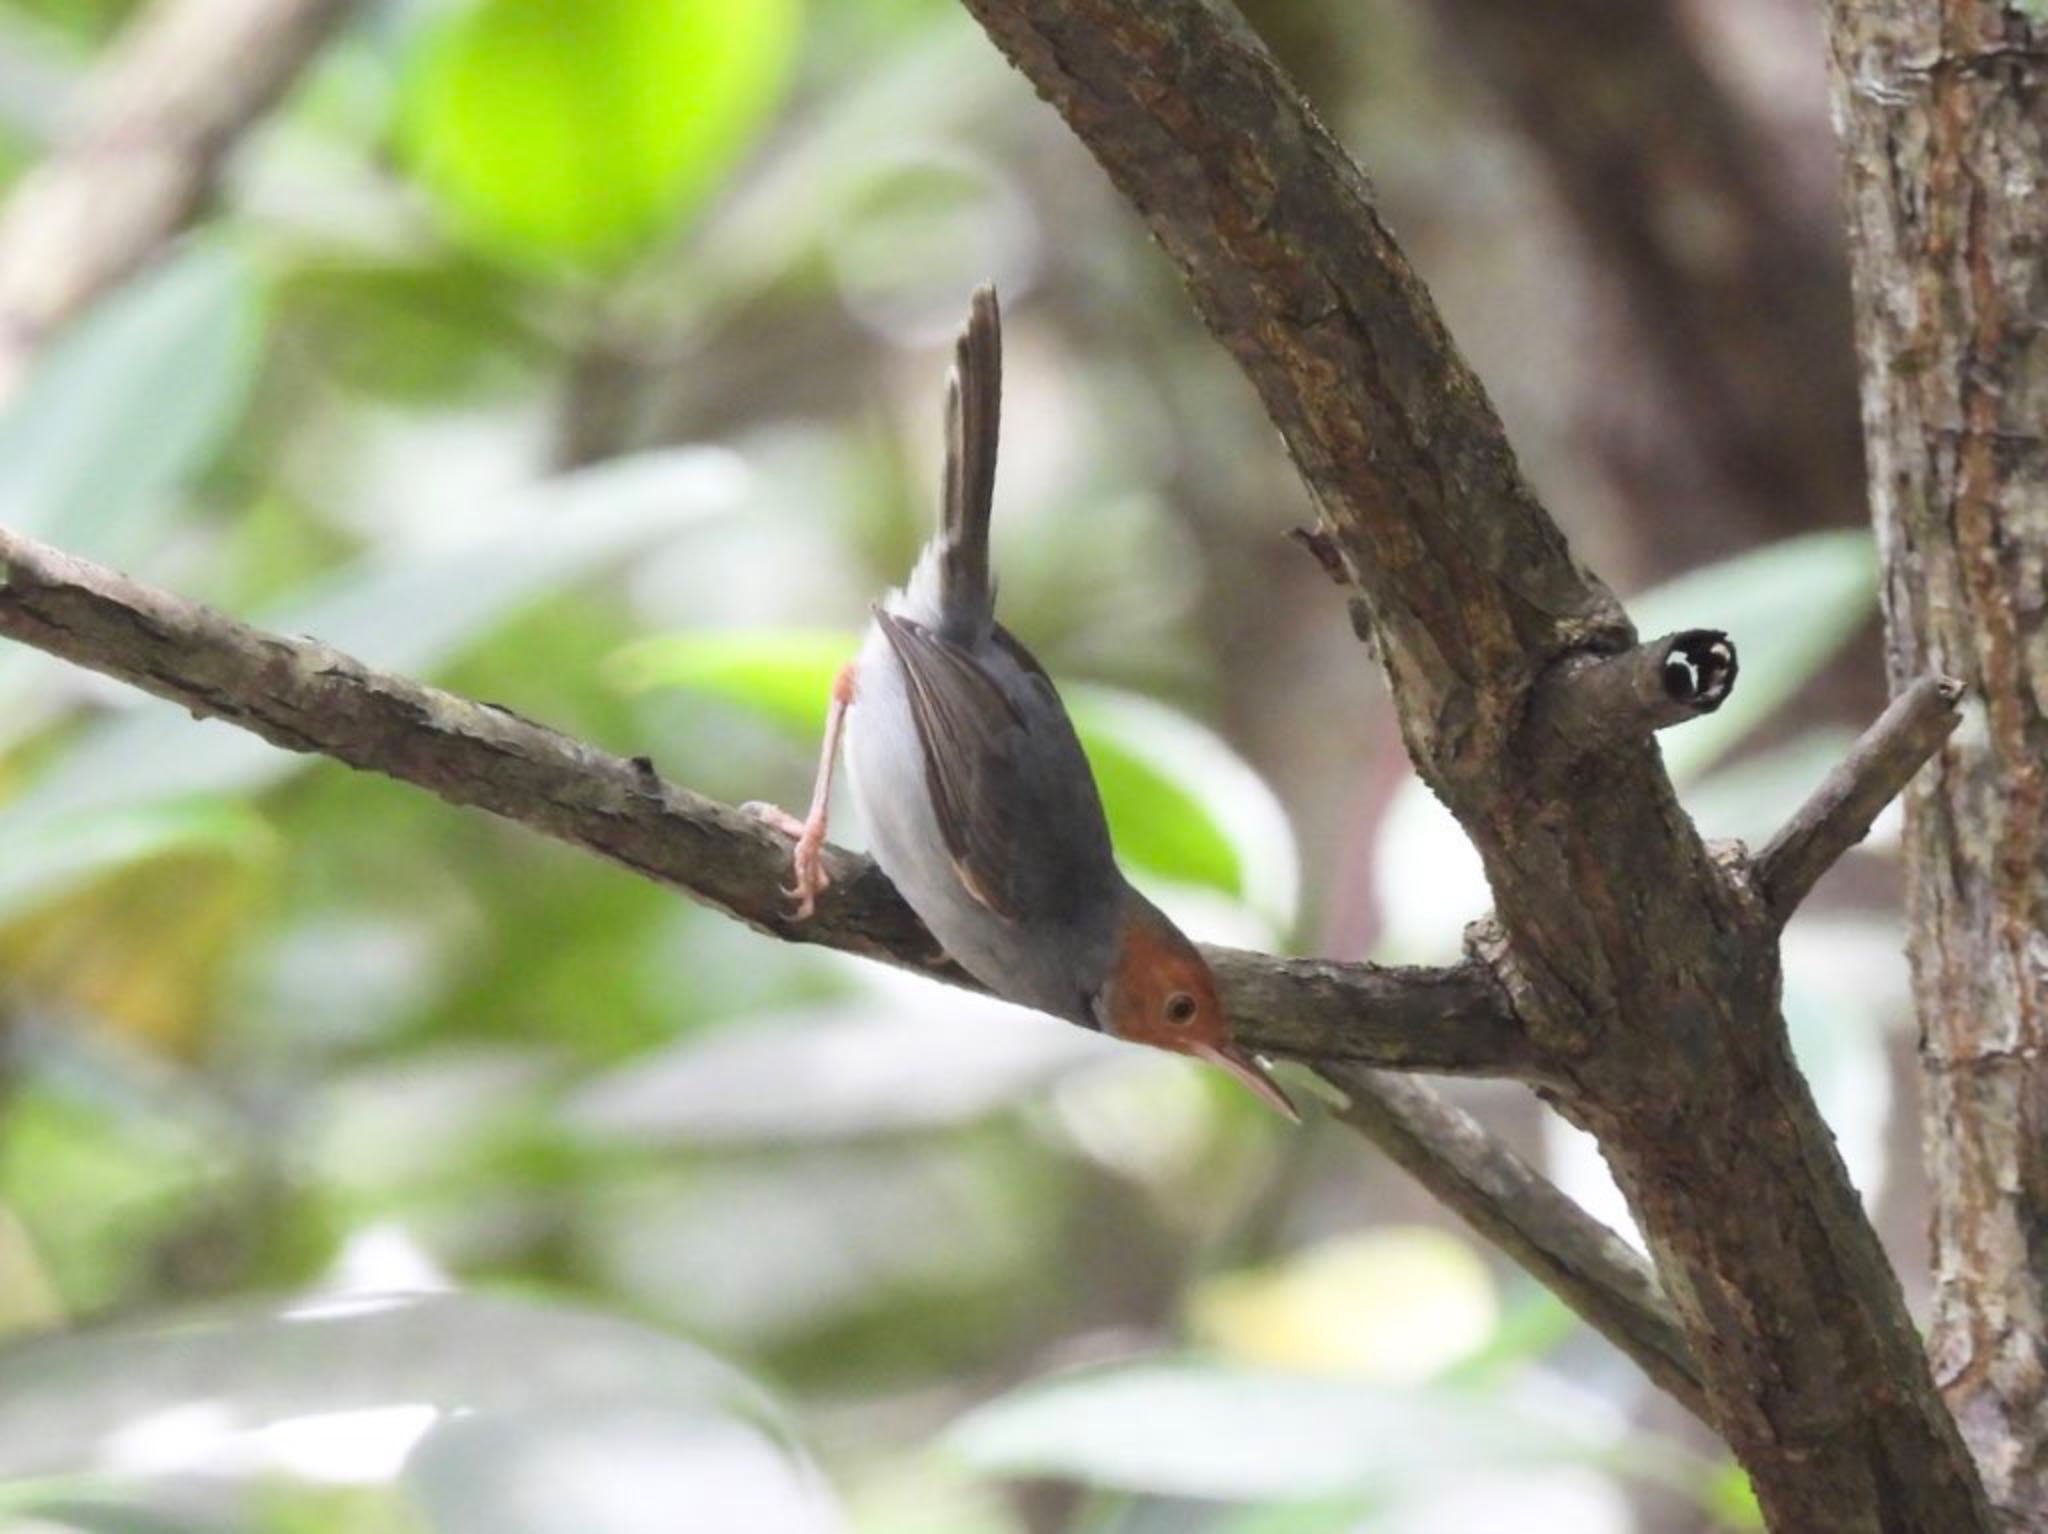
[807, 863]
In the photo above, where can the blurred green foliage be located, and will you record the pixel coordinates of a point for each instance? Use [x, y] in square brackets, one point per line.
[586, 359]
[576, 133]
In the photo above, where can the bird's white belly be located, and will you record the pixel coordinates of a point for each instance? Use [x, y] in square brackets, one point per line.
[886, 773]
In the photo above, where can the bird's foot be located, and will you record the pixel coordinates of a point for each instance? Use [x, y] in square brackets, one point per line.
[807, 863]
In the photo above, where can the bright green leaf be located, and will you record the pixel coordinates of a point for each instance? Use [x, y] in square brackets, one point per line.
[577, 132]
[1789, 606]
[1182, 805]
[1159, 824]
[1731, 1500]
[794, 207]
[783, 675]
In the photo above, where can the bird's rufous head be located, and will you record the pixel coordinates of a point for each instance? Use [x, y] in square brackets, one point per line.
[1162, 993]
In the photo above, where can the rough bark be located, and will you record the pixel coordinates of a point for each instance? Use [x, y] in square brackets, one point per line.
[152, 128]
[1943, 106]
[1645, 969]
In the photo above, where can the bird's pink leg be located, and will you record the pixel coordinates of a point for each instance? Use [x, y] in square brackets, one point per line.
[808, 863]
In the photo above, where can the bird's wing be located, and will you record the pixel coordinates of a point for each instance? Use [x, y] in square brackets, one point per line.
[972, 736]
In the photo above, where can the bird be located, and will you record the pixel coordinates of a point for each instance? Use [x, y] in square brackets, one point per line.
[978, 797]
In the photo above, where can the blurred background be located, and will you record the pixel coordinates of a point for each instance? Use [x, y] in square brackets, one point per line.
[369, 1165]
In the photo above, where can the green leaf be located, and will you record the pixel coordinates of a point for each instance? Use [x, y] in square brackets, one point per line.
[782, 675]
[1179, 1428]
[406, 611]
[1182, 806]
[623, 1466]
[577, 133]
[120, 417]
[417, 329]
[1346, 1514]
[47, 856]
[254, 1365]
[1789, 606]
[792, 207]
[130, 405]
[1730, 1499]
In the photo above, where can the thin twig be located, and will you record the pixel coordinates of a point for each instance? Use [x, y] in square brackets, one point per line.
[1591, 701]
[1840, 812]
[1514, 1206]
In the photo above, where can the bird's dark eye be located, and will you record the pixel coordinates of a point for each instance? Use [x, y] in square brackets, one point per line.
[1180, 1008]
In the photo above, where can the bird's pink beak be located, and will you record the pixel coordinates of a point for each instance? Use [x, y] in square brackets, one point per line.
[1247, 1069]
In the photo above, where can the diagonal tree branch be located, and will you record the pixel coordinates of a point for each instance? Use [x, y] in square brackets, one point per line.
[1515, 1207]
[1645, 969]
[1876, 770]
[156, 121]
[1343, 1018]
[306, 696]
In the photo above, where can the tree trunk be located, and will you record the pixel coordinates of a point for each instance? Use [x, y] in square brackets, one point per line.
[1943, 106]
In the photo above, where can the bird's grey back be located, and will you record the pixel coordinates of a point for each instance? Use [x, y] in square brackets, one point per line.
[1000, 845]
[1052, 943]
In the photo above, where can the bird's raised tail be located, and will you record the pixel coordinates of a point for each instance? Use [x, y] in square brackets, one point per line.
[974, 409]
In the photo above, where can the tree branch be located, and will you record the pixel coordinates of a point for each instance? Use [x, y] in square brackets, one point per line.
[1840, 812]
[305, 696]
[1342, 1018]
[156, 121]
[1514, 1206]
[1593, 702]
[302, 695]
[1944, 153]
[1646, 973]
